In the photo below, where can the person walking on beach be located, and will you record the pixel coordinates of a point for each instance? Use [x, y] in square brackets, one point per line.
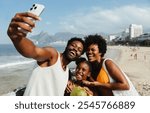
[107, 76]
[50, 77]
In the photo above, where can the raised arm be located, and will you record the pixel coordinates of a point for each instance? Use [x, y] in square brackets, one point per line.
[19, 38]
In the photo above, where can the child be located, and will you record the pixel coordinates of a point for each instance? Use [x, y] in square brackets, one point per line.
[82, 72]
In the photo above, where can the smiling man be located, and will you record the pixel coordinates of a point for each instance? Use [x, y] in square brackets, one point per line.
[50, 77]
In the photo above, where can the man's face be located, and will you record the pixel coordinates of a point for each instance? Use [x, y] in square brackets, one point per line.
[74, 50]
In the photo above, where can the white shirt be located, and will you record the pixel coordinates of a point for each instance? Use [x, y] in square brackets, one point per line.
[48, 81]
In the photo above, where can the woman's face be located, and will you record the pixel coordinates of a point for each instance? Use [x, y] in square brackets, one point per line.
[82, 71]
[93, 53]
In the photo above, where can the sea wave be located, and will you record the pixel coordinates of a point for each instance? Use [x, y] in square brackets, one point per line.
[16, 63]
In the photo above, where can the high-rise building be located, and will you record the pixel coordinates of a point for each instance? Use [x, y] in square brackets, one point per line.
[135, 30]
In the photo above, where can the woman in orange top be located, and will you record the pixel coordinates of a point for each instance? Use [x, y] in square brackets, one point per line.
[95, 49]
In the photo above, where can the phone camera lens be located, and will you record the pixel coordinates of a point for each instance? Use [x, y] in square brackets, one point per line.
[35, 7]
[31, 9]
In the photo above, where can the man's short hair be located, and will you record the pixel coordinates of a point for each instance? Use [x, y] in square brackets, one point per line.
[77, 39]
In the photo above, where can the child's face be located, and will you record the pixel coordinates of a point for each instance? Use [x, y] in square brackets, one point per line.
[82, 71]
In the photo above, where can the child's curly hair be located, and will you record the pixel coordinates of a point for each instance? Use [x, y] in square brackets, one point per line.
[82, 59]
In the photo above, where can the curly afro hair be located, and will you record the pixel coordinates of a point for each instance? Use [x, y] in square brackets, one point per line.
[98, 40]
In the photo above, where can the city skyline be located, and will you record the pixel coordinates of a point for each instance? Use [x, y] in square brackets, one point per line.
[82, 17]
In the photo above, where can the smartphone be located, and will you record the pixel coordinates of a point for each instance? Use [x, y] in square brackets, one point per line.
[36, 9]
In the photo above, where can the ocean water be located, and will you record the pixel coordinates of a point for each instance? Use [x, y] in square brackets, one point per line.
[9, 57]
[15, 69]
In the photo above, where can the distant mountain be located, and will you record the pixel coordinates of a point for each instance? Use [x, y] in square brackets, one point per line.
[65, 36]
[44, 38]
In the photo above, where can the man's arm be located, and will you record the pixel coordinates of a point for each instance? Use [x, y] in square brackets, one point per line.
[23, 45]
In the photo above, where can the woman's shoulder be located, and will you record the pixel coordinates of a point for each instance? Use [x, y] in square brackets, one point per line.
[108, 61]
[109, 64]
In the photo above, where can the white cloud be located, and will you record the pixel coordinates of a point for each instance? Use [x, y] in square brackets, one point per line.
[106, 20]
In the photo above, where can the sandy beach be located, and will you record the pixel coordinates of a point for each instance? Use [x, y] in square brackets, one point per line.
[14, 77]
[135, 61]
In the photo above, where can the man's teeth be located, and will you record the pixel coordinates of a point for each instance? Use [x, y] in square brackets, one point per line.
[73, 53]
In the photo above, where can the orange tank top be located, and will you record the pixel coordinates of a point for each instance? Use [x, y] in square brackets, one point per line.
[102, 76]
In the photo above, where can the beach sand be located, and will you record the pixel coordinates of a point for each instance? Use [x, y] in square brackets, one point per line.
[13, 83]
[135, 62]
[14, 77]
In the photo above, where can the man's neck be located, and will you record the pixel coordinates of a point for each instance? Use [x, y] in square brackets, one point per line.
[64, 61]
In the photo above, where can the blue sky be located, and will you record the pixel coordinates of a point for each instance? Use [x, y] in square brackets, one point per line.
[79, 16]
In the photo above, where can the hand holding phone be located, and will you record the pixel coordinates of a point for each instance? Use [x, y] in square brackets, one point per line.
[36, 9]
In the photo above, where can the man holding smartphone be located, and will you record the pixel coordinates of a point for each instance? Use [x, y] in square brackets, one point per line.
[50, 77]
